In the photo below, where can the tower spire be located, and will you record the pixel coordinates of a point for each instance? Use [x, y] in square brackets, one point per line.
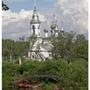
[54, 16]
[35, 9]
[54, 19]
[34, 4]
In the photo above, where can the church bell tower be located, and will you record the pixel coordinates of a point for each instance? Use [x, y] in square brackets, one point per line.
[35, 24]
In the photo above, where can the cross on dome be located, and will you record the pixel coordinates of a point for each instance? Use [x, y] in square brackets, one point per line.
[35, 17]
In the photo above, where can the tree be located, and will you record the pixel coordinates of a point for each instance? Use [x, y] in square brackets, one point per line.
[7, 48]
[14, 48]
[81, 47]
[4, 6]
[63, 46]
[58, 46]
[21, 48]
[68, 45]
[9, 74]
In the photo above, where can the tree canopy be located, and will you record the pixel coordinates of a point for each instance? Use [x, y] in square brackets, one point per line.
[4, 6]
[69, 46]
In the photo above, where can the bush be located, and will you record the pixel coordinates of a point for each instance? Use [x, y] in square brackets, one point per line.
[9, 72]
[49, 86]
[73, 75]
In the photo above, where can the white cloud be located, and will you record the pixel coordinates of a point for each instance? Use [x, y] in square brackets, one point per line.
[75, 12]
[17, 24]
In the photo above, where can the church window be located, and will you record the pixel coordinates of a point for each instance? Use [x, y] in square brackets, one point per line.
[33, 27]
[39, 27]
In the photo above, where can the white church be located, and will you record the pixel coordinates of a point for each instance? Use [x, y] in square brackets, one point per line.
[40, 46]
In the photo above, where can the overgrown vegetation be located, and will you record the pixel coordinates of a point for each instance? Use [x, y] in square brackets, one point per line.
[67, 70]
[15, 49]
[57, 72]
[69, 46]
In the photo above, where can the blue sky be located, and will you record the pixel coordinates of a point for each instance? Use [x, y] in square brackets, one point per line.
[17, 5]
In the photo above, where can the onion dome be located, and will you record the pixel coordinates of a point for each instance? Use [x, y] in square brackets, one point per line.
[35, 17]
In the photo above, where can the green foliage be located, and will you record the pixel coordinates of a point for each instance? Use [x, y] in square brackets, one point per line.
[68, 45]
[81, 47]
[16, 49]
[9, 72]
[68, 69]
[21, 48]
[49, 86]
[7, 47]
[74, 75]
[63, 45]
[67, 74]
[79, 68]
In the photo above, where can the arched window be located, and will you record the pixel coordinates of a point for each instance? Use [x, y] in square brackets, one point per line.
[39, 27]
[33, 27]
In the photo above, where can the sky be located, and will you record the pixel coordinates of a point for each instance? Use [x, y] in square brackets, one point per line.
[72, 15]
[17, 5]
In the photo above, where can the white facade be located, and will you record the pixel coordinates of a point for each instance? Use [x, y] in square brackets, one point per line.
[40, 48]
[35, 31]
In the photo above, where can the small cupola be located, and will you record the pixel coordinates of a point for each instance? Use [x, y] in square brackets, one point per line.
[35, 17]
